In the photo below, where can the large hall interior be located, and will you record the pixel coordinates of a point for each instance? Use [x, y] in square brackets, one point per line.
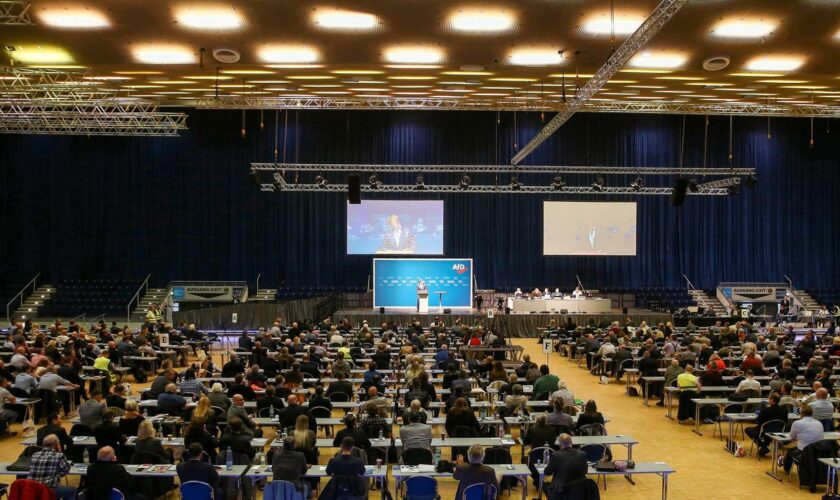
[419, 249]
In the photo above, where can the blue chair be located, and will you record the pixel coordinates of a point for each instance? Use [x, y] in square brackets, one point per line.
[421, 488]
[116, 495]
[281, 490]
[480, 492]
[196, 490]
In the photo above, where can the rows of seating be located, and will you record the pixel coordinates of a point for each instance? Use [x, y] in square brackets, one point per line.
[94, 297]
[827, 296]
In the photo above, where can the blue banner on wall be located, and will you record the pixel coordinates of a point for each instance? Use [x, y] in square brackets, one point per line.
[395, 282]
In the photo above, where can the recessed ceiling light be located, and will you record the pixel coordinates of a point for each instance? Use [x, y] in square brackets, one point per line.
[645, 70]
[209, 17]
[709, 84]
[414, 54]
[805, 87]
[481, 20]
[744, 27]
[535, 56]
[620, 81]
[41, 54]
[775, 63]
[103, 78]
[413, 66]
[310, 77]
[173, 82]
[268, 82]
[321, 85]
[681, 78]
[357, 72]
[288, 54]
[143, 86]
[369, 89]
[411, 77]
[512, 79]
[247, 72]
[412, 86]
[73, 17]
[344, 20]
[294, 66]
[757, 74]
[782, 80]
[658, 60]
[138, 72]
[467, 73]
[601, 23]
[209, 77]
[331, 92]
[163, 53]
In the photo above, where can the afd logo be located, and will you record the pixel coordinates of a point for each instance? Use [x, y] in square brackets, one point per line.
[460, 268]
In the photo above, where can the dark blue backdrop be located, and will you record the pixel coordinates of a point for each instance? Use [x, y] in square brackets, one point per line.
[185, 208]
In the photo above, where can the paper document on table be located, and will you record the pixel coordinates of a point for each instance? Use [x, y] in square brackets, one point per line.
[425, 468]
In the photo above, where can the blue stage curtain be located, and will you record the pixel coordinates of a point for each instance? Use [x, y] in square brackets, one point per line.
[186, 208]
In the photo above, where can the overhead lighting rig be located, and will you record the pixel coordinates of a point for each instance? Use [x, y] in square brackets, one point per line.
[15, 13]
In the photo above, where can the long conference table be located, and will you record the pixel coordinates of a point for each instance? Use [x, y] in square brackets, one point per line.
[588, 305]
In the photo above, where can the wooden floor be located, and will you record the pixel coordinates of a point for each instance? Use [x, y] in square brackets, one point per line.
[704, 470]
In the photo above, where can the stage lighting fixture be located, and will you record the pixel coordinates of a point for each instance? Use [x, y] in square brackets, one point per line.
[732, 190]
[465, 182]
[374, 182]
[420, 185]
[514, 184]
[598, 185]
[558, 184]
[637, 184]
[751, 181]
[692, 185]
[320, 181]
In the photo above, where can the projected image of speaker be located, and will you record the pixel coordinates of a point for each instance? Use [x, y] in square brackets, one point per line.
[354, 189]
[678, 194]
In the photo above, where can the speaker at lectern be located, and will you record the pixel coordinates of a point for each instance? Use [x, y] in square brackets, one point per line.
[422, 297]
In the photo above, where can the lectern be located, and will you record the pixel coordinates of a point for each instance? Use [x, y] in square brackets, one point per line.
[423, 301]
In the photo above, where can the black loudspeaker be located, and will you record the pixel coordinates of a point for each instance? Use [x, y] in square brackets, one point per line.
[623, 310]
[447, 311]
[381, 310]
[507, 310]
[354, 189]
[680, 188]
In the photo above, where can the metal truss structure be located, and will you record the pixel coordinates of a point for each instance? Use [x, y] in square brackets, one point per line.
[657, 19]
[493, 169]
[721, 183]
[474, 104]
[15, 13]
[485, 189]
[64, 103]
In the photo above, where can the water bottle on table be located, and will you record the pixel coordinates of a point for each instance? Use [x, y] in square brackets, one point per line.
[229, 459]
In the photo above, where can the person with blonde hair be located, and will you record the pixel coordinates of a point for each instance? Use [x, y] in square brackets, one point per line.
[147, 442]
[131, 419]
[204, 410]
[305, 439]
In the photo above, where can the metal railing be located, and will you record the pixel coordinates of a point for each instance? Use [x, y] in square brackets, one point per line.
[144, 287]
[690, 285]
[34, 283]
[258, 283]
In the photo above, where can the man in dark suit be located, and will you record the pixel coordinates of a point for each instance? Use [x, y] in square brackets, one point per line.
[341, 386]
[196, 469]
[396, 238]
[54, 427]
[106, 474]
[290, 465]
[474, 472]
[567, 465]
[270, 400]
[232, 367]
[345, 464]
[771, 412]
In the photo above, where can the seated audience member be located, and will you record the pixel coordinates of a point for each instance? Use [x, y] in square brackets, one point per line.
[359, 437]
[48, 465]
[147, 442]
[515, 403]
[560, 418]
[461, 415]
[218, 397]
[191, 385]
[416, 407]
[108, 433]
[288, 415]
[54, 427]
[237, 410]
[290, 465]
[590, 415]
[318, 399]
[116, 399]
[130, 421]
[236, 439]
[270, 400]
[373, 423]
[473, 472]
[565, 466]
[341, 386]
[106, 474]
[305, 439]
[25, 381]
[564, 394]
[240, 387]
[749, 384]
[771, 412]
[374, 399]
[345, 464]
[416, 434]
[171, 402]
[196, 432]
[92, 410]
[541, 434]
[546, 384]
[804, 431]
[823, 409]
[197, 469]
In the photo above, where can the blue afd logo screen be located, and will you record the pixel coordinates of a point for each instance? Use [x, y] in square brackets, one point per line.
[395, 281]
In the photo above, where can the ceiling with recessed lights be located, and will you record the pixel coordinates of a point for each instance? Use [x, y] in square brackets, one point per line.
[778, 51]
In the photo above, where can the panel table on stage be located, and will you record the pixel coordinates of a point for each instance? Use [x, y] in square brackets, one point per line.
[588, 305]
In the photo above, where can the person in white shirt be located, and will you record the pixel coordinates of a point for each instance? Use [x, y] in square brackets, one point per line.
[563, 393]
[804, 431]
[749, 384]
[546, 294]
[577, 293]
[822, 408]
[518, 293]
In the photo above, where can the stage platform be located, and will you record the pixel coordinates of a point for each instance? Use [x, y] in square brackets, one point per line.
[515, 325]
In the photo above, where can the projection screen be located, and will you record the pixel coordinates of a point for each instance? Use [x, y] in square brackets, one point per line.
[395, 227]
[589, 228]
